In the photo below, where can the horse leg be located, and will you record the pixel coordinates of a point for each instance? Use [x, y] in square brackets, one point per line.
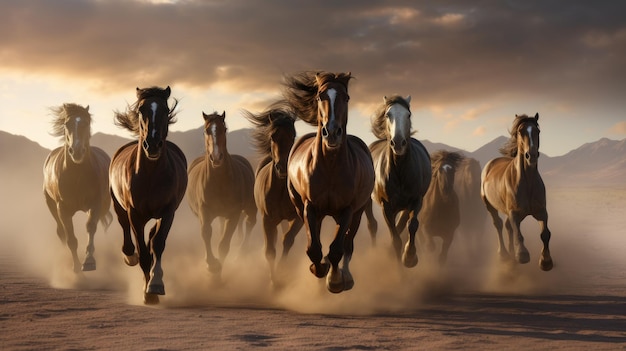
[271, 232]
[158, 237]
[409, 257]
[335, 280]
[521, 252]
[52, 206]
[390, 218]
[92, 224]
[70, 238]
[145, 258]
[229, 229]
[372, 223]
[349, 249]
[313, 224]
[445, 247]
[497, 222]
[509, 230]
[250, 223]
[131, 257]
[206, 229]
[288, 239]
[545, 262]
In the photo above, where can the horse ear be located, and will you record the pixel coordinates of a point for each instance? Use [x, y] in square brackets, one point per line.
[270, 117]
[87, 108]
[537, 116]
[408, 99]
[224, 114]
[138, 92]
[385, 99]
[205, 116]
[168, 91]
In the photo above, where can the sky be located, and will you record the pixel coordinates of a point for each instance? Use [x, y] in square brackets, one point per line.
[469, 66]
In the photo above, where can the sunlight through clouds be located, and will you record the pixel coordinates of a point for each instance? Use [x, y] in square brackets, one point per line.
[619, 128]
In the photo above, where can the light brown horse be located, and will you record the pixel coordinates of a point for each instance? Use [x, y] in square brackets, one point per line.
[473, 213]
[148, 181]
[440, 215]
[273, 137]
[403, 174]
[76, 179]
[220, 185]
[512, 185]
[329, 173]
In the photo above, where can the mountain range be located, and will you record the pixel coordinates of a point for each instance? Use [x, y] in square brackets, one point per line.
[599, 163]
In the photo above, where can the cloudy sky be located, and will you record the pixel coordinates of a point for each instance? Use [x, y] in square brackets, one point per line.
[469, 66]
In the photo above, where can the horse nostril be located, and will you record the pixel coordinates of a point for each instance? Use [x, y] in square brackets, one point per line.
[160, 144]
[324, 132]
[403, 142]
[527, 155]
[393, 143]
[71, 150]
[145, 144]
[339, 131]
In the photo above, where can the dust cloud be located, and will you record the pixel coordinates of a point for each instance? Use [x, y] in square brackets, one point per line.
[586, 241]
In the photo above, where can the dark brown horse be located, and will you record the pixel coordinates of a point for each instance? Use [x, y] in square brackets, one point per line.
[403, 173]
[220, 185]
[512, 185]
[440, 215]
[473, 212]
[148, 181]
[76, 179]
[273, 137]
[329, 172]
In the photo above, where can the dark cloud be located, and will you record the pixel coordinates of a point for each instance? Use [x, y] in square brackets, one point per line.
[449, 51]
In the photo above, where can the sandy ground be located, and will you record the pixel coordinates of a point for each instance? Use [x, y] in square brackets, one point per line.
[473, 302]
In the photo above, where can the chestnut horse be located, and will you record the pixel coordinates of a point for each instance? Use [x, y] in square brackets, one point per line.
[76, 179]
[329, 173]
[148, 181]
[512, 185]
[440, 215]
[403, 174]
[273, 137]
[220, 185]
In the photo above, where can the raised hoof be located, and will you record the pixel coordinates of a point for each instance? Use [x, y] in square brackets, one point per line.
[546, 265]
[319, 270]
[155, 289]
[409, 261]
[522, 257]
[150, 299]
[89, 266]
[131, 260]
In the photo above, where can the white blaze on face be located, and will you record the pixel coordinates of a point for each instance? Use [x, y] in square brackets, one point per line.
[529, 130]
[214, 137]
[153, 107]
[332, 95]
[399, 121]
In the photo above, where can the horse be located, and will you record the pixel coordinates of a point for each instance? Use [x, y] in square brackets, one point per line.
[273, 136]
[76, 179]
[403, 174]
[329, 172]
[220, 185]
[513, 186]
[473, 212]
[148, 181]
[440, 215]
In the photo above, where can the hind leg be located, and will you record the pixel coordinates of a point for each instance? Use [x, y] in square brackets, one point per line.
[65, 217]
[271, 233]
[497, 222]
[545, 262]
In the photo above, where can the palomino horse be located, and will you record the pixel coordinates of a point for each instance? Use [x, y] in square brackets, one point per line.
[403, 173]
[512, 185]
[473, 212]
[440, 215]
[329, 173]
[273, 137]
[220, 185]
[148, 181]
[76, 179]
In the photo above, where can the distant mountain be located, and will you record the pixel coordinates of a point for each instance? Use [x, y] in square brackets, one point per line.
[600, 163]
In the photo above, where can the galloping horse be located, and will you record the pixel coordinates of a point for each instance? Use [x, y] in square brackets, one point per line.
[148, 181]
[220, 185]
[273, 137]
[512, 185]
[473, 212]
[403, 173]
[76, 179]
[329, 173]
[440, 215]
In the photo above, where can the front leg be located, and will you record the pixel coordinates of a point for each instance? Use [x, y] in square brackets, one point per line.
[92, 224]
[521, 252]
[312, 222]
[335, 278]
[390, 218]
[545, 262]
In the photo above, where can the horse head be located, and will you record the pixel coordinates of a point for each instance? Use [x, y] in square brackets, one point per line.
[215, 137]
[77, 131]
[154, 119]
[528, 139]
[332, 107]
[398, 117]
[282, 137]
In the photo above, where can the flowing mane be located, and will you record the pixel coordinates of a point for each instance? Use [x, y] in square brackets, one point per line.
[277, 115]
[301, 91]
[438, 158]
[62, 113]
[130, 119]
[379, 119]
[510, 148]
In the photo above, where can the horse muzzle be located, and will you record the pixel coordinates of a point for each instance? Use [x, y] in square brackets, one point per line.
[152, 152]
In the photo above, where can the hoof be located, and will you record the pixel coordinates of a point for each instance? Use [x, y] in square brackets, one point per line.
[320, 270]
[522, 256]
[150, 299]
[546, 265]
[131, 260]
[155, 289]
[89, 266]
[409, 261]
[335, 283]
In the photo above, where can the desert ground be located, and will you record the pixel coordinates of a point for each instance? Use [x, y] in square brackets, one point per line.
[473, 302]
